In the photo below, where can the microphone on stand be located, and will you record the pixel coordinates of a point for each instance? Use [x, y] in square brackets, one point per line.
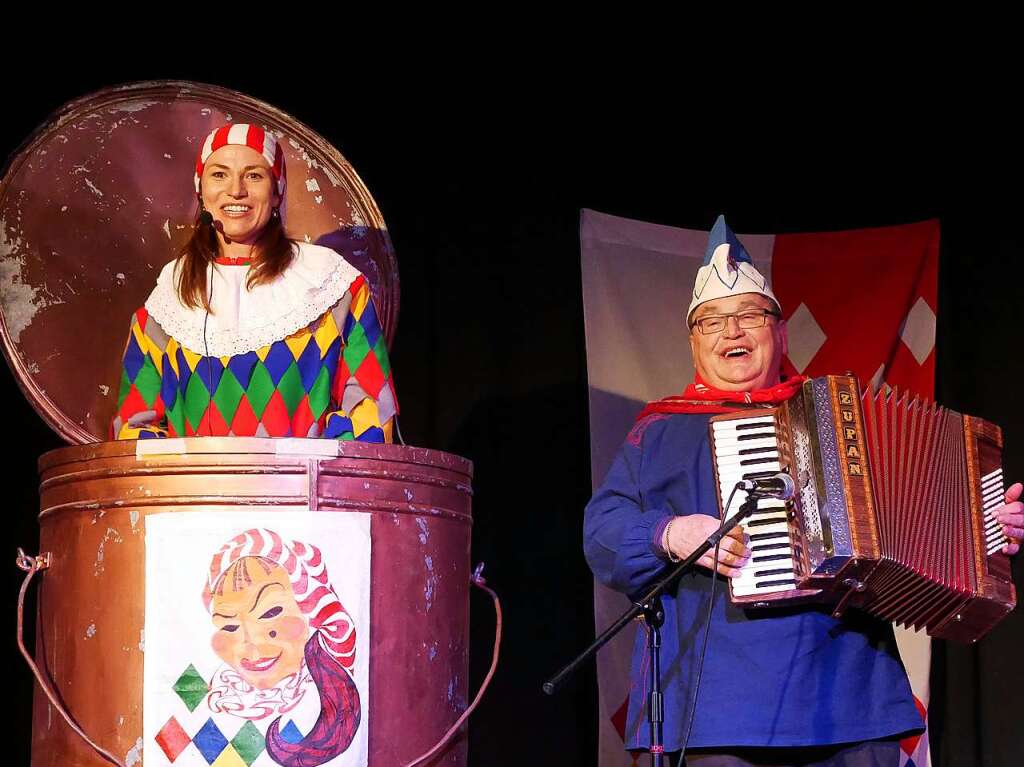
[779, 486]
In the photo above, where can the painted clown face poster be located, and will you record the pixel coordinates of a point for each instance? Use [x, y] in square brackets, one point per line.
[257, 639]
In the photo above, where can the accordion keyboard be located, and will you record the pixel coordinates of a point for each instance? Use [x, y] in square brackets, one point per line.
[747, 448]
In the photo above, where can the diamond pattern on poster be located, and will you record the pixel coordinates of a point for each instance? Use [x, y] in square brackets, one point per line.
[291, 733]
[210, 741]
[172, 739]
[249, 743]
[191, 688]
[229, 758]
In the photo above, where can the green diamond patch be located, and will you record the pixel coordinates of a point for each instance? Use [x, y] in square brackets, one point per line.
[249, 743]
[191, 687]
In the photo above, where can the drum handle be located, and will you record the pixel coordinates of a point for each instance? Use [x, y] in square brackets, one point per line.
[477, 580]
[33, 565]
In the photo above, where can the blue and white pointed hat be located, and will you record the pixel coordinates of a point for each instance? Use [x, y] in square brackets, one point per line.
[727, 271]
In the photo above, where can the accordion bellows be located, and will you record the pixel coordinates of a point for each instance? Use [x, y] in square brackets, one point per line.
[893, 510]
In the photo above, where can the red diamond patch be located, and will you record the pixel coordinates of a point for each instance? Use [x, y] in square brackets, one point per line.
[172, 739]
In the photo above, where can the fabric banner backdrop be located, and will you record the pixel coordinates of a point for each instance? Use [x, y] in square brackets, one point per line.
[257, 639]
[861, 301]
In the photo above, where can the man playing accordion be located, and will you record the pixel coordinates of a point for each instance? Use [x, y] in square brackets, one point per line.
[786, 686]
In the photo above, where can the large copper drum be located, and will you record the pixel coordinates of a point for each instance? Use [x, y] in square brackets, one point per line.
[92, 598]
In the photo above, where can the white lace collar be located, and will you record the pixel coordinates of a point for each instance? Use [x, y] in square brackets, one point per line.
[231, 694]
[244, 320]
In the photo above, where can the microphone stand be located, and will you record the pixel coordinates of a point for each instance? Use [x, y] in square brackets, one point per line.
[649, 606]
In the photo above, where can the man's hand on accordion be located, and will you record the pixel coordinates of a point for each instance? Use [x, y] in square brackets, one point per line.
[685, 533]
[1011, 517]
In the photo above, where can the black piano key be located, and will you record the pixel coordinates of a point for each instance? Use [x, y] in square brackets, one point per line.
[762, 536]
[775, 571]
[754, 450]
[762, 522]
[769, 547]
[756, 461]
[758, 474]
[767, 584]
[758, 435]
[771, 557]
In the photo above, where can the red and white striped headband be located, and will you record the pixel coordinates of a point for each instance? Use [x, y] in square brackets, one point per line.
[307, 573]
[244, 134]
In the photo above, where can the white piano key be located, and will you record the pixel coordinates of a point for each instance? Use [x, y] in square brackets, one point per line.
[747, 590]
[761, 570]
[740, 434]
[731, 424]
[746, 472]
[727, 462]
[778, 527]
[721, 434]
[760, 468]
[734, 448]
[779, 545]
[745, 438]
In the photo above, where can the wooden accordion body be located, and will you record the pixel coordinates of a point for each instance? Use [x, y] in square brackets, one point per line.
[892, 512]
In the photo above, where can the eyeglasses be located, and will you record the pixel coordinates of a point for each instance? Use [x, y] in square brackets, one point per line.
[715, 323]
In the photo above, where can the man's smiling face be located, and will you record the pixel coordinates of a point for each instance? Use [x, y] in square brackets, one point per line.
[735, 358]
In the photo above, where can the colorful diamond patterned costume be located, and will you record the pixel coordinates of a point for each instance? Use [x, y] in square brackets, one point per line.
[303, 356]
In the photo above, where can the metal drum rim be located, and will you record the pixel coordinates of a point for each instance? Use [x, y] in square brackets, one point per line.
[245, 446]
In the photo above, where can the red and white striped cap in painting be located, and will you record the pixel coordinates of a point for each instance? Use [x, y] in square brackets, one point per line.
[244, 134]
[311, 586]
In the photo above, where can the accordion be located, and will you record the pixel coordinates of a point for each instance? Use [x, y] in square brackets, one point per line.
[892, 512]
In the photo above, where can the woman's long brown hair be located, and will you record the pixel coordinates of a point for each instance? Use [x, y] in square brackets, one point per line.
[272, 254]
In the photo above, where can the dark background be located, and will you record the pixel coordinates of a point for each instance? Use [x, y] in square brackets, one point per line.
[481, 183]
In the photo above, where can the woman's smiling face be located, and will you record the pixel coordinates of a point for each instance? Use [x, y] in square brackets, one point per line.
[260, 630]
[238, 189]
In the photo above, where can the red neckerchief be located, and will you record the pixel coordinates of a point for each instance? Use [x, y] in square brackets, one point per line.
[231, 261]
[701, 398]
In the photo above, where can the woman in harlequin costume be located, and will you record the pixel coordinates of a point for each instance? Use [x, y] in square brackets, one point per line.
[249, 333]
